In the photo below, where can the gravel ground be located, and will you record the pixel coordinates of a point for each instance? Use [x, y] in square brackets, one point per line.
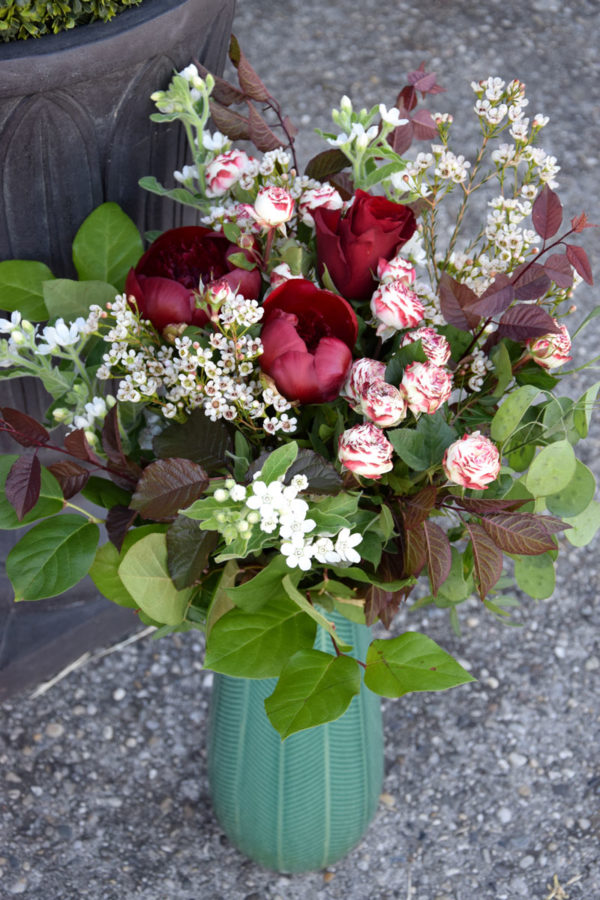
[492, 790]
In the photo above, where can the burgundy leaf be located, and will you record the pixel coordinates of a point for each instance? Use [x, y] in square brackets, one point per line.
[487, 559]
[326, 163]
[71, 477]
[558, 269]
[526, 321]
[23, 484]
[424, 82]
[290, 127]
[118, 522]
[250, 83]
[416, 550]
[518, 533]
[223, 92]
[401, 137]
[547, 213]
[24, 429]
[343, 184]
[111, 438]
[553, 524]
[188, 551]
[496, 299]
[530, 281]
[168, 485]
[578, 223]
[261, 135]
[580, 262]
[416, 509]
[382, 604]
[483, 507]
[455, 302]
[424, 126]
[439, 555]
[228, 122]
[407, 99]
[76, 444]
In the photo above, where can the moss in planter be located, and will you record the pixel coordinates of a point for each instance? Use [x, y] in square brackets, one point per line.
[21, 19]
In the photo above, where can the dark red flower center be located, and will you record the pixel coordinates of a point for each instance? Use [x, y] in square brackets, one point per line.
[312, 329]
[189, 262]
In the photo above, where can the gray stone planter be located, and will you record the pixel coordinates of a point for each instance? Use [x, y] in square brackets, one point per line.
[75, 132]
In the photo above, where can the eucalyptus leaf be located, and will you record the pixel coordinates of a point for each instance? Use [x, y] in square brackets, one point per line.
[535, 575]
[583, 526]
[512, 410]
[552, 469]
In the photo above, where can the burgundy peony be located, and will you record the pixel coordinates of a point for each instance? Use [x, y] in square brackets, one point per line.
[308, 335]
[351, 246]
[165, 278]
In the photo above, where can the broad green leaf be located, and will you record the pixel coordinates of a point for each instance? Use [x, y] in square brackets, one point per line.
[258, 644]
[409, 447]
[456, 588]
[265, 587]
[299, 598]
[105, 493]
[520, 459]
[507, 418]
[52, 557]
[221, 603]
[143, 571]
[106, 246]
[411, 662]
[50, 502]
[313, 688]
[278, 462]
[582, 412]
[583, 526]
[69, 299]
[423, 447]
[576, 496]
[535, 575]
[104, 573]
[552, 469]
[502, 369]
[21, 288]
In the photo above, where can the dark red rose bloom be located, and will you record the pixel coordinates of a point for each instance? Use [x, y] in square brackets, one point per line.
[351, 245]
[165, 278]
[308, 335]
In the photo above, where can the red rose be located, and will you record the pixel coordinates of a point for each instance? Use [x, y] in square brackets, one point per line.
[165, 278]
[308, 335]
[351, 245]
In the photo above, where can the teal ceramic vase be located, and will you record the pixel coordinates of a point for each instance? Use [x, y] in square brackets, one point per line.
[303, 803]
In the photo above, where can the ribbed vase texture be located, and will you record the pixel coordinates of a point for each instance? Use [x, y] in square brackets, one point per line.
[303, 803]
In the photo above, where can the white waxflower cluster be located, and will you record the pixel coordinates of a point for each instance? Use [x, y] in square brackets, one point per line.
[357, 134]
[497, 101]
[479, 367]
[277, 510]
[449, 166]
[221, 378]
[21, 339]
[542, 165]
[93, 413]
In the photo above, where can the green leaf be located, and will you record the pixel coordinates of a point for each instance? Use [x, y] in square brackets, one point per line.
[105, 493]
[552, 469]
[507, 418]
[313, 688]
[583, 526]
[50, 501]
[403, 357]
[144, 572]
[520, 459]
[278, 462]
[265, 587]
[456, 587]
[582, 412]
[502, 369]
[104, 573]
[198, 439]
[423, 447]
[576, 496]
[52, 557]
[180, 195]
[411, 662]
[21, 287]
[258, 644]
[241, 261]
[535, 575]
[299, 598]
[106, 246]
[220, 603]
[70, 299]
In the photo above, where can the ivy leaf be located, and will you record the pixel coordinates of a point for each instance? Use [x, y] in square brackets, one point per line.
[26, 430]
[166, 486]
[411, 662]
[188, 551]
[487, 559]
[313, 688]
[23, 484]
[71, 477]
[546, 214]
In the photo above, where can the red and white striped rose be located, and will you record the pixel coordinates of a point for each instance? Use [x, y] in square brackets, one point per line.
[395, 307]
[435, 346]
[426, 387]
[363, 373]
[325, 196]
[396, 269]
[365, 450]
[472, 462]
[383, 404]
[224, 171]
[551, 350]
[273, 206]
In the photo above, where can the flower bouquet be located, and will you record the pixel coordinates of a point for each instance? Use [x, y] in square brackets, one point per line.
[316, 400]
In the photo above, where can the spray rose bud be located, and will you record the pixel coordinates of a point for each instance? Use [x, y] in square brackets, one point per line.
[395, 306]
[273, 206]
[281, 273]
[472, 462]
[383, 404]
[365, 450]
[363, 372]
[426, 387]
[324, 196]
[435, 346]
[551, 350]
[396, 269]
[224, 171]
